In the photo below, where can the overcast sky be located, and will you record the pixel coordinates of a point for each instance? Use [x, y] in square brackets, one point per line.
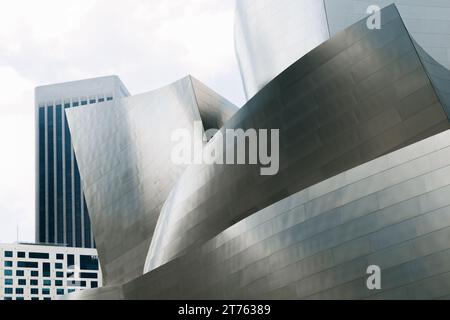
[147, 43]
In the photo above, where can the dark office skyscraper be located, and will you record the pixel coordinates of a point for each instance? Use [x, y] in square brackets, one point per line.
[61, 211]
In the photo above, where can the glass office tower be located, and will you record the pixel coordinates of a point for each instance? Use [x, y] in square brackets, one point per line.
[61, 212]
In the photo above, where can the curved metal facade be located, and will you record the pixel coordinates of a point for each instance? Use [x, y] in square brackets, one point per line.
[271, 35]
[364, 180]
[358, 96]
[393, 212]
[126, 169]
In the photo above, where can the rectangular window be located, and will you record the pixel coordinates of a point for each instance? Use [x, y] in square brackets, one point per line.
[60, 292]
[8, 273]
[19, 290]
[88, 263]
[71, 290]
[22, 282]
[51, 174]
[35, 255]
[58, 266]
[58, 283]
[109, 98]
[68, 172]
[75, 104]
[20, 273]
[94, 284]
[27, 264]
[8, 254]
[35, 273]
[8, 282]
[92, 101]
[20, 298]
[59, 274]
[101, 100]
[8, 264]
[8, 291]
[34, 291]
[88, 275]
[84, 102]
[46, 291]
[59, 256]
[33, 282]
[46, 269]
[42, 175]
[21, 254]
[47, 283]
[70, 261]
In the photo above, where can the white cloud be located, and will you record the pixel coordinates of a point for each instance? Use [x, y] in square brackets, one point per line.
[148, 43]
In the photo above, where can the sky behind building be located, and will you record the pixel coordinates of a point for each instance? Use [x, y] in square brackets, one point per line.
[148, 43]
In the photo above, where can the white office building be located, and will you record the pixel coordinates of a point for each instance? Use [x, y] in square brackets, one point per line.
[36, 272]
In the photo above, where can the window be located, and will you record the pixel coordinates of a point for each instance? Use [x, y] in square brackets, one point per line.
[59, 274]
[27, 264]
[92, 101]
[8, 291]
[8, 254]
[75, 103]
[8, 299]
[88, 275]
[8, 264]
[8, 282]
[94, 284]
[71, 290]
[60, 256]
[35, 273]
[58, 266]
[66, 105]
[34, 291]
[84, 102]
[88, 263]
[60, 292]
[19, 290]
[101, 99]
[21, 254]
[35, 255]
[20, 273]
[8, 273]
[109, 98]
[20, 298]
[22, 282]
[46, 269]
[47, 283]
[33, 282]
[70, 261]
[58, 283]
[46, 291]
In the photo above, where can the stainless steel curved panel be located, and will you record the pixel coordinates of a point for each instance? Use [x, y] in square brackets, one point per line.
[124, 155]
[393, 212]
[271, 35]
[358, 96]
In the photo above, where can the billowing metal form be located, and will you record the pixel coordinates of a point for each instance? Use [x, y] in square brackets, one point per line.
[428, 21]
[361, 95]
[272, 34]
[364, 180]
[393, 212]
[123, 150]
